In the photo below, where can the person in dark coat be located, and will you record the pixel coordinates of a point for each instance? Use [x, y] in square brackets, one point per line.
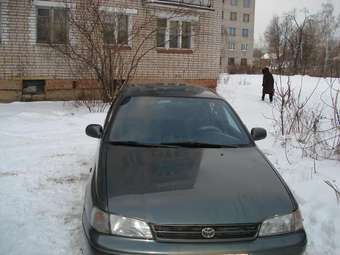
[268, 84]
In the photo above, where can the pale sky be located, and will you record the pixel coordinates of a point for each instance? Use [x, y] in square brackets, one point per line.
[266, 9]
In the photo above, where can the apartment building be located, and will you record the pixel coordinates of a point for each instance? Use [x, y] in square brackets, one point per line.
[187, 48]
[238, 18]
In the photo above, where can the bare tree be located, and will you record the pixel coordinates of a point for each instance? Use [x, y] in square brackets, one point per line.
[296, 37]
[328, 27]
[100, 46]
[305, 43]
[273, 35]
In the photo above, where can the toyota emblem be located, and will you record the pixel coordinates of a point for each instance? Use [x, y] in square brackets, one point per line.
[208, 233]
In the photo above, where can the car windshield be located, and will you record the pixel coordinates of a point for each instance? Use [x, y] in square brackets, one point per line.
[177, 121]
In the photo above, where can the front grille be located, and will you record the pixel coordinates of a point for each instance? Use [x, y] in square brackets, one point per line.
[186, 233]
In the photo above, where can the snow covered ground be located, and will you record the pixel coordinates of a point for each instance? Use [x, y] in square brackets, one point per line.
[317, 201]
[45, 158]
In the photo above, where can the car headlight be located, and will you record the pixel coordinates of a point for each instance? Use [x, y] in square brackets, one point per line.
[123, 226]
[282, 224]
[119, 225]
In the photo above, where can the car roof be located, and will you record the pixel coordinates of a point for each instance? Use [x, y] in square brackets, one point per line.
[169, 90]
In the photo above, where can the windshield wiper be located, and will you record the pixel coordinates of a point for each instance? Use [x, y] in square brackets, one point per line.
[191, 144]
[139, 144]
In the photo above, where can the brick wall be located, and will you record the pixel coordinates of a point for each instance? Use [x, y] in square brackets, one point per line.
[21, 58]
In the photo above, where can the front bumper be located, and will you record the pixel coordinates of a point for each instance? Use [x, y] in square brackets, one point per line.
[99, 244]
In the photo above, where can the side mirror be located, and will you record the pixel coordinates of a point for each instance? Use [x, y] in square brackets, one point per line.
[94, 130]
[258, 134]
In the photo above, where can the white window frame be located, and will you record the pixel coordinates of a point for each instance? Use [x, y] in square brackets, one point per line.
[129, 13]
[116, 30]
[44, 3]
[50, 6]
[244, 47]
[167, 33]
[231, 45]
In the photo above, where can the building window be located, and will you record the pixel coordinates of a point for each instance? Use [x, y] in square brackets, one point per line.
[116, 29]
[233, 16]
[246, 3]
[33, 87]
[186, 35]
[231, 61]
[245, 32]
[244, 46]
[232, 31]
[174, 34]
[161, 32]
[244, 62]
[123, 29]
[52, 25]
[232, 46]
[222, 14]
[234, 2]
[246, 18]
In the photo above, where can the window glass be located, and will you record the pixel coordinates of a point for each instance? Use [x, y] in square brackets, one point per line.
[232, 31]
[244, 46]
[52, 25]
[231, 61]
[177, 35]
[43, 26]
[174, 32]
[176, 120]
[161, 32]
[246, 3]
[233, 16]
[109, 33]
[244, 61]
[231, 45]
[245, 32]
[116, 29]
[246, 18]
[123, 29]
[33, 87]
[186, 35]
[60, 25]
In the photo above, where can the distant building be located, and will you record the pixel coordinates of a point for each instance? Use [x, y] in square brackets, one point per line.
[31, 70]
[237, 33]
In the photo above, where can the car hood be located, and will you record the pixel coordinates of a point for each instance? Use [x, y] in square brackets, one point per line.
[194, 185]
